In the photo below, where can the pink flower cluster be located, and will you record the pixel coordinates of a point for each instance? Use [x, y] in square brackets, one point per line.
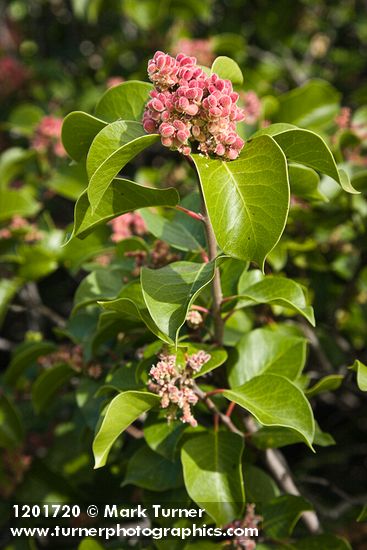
[13, 75]
[174, 385]
[201, 48]
[47, 137]
[189, 106]
[114, 81]
[29, 231]
[126, 225]
[252, 107]
[250, 521]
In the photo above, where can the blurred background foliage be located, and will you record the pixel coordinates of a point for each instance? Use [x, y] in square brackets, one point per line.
[306, 62]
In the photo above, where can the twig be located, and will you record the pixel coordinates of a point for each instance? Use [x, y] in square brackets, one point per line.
[277, 465]
[216, 287]
[190, 213]
[135, 432]
[316, 346]
[213, 408]
[52, 315]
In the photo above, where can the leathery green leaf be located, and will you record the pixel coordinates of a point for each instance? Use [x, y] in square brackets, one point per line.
[110, 151]
[121, 412]
[78, 132]
[213, 474]
[125, 101]
[247, 199]
[275, 401]
[169, 292]
[308, 148]
[120, 197]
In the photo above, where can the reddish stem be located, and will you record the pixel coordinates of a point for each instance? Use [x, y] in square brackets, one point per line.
[200, 308]
[216, 422]
[230, 409]
[204, 255]
[214, 392]
[190, 213]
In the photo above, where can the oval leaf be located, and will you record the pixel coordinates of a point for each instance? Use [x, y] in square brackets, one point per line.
[125, 101]
[247, 199]
[306, 147]
[213, 474]
[47, 384]
[120, 197]
[78, 132]
[110, 151]
[254, 288]
[121, 412]
[169, 292]
[228, 69]
[275, 401]
[267, 350]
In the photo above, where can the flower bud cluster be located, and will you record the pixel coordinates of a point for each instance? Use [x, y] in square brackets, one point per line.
[194, 319]
[47, 137]
[187, 106]
[175, 385]
[126, 225]
[13, 75]
[19, 226]
[252, 106]
[201, 48]
[250, 521]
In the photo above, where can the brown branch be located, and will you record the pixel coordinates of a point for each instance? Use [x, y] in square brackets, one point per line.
[216, 286]
[214, 409]
[279, 468]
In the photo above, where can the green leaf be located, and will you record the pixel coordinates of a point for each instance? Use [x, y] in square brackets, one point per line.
[282, 514]
[265, 350]
[125, 101]
[13, 162]
[328, 383]
[228, 69]
[11, 427]
[110, 151]
[69, 181]
[305, 147]
[36, 262]
[17, 203]
[324, 542]
[131, 305]
[255, 288]
[48, 383]
[259, 486]
[169, 292]
[120, 197]
[275, 401]
[361, 371]
[152, 471]
[162, 436]
[313, 105]
[8, 289]
[363, 514]
[304, 182]
[169, 231]
[78, 132]
[271, 437]
[24, 118]
[24, 356]
[213, 476]
[247, 199]
[109, 140]
[100, 284]
[121, 412]
[90, 544]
